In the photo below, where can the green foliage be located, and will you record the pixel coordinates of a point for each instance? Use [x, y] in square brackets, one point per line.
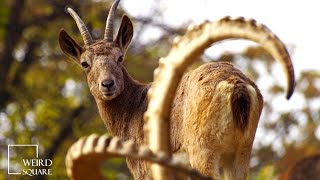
[266, 173]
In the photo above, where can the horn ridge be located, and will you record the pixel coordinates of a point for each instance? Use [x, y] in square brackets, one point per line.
[81, 26]
[108, 35]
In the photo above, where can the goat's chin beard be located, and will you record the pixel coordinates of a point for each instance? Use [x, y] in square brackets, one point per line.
[109, 96]
[105, 95]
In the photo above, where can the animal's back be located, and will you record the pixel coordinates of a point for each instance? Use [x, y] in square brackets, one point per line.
[218, 109]
[306, 169]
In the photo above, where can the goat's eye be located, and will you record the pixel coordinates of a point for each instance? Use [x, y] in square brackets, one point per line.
[120, 59]
[84, 64]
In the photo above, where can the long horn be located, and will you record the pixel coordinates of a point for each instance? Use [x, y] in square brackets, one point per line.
[85, 156]
[108, 34]
[185, 51]
[82, 27]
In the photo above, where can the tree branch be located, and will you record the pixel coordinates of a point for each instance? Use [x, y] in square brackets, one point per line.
[14, 30]
[64, 133]
[12, 36]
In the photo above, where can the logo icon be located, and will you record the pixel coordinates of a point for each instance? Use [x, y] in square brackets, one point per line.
[32, 166]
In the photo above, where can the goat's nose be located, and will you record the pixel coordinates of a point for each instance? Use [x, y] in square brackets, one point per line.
[107, 83]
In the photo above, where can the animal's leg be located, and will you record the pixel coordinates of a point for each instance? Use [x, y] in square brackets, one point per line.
[138, 169]
[237, 168]
[207, 163]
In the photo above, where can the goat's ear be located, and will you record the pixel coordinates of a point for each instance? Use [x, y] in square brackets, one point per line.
[125, 34]
[69, 46]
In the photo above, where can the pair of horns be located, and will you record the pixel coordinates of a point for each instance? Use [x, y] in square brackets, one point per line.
[108, 34]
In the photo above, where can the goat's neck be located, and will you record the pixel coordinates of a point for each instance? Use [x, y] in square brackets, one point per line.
[123, 115]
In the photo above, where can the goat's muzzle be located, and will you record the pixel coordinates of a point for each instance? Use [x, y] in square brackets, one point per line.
[108, 88]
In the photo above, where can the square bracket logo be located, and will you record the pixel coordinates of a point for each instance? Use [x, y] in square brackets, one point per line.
[21, 145]
[32, 166]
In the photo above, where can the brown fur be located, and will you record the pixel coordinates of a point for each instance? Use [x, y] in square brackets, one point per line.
[305, 169]
[205, 124]
[214, 115]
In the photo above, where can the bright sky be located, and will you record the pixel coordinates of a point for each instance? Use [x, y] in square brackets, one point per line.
[295, 22]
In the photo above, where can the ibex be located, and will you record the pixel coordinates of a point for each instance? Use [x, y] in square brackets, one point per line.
[216, 108]
[306, 169]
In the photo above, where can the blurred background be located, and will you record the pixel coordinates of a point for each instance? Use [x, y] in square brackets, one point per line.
[44, 98]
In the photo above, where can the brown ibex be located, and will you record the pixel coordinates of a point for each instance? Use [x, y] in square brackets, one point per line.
[216, 108]
[306, 169]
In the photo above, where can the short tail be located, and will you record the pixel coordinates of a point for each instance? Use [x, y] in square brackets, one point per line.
[241, 104]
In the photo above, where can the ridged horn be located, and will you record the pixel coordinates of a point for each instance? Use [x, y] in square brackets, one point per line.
[89, 151]
[184, 52]
[108, 34]
[82, 27]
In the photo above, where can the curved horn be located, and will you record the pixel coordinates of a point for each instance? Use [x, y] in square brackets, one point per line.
[82, 27]
[184, 51]
[85, 156]
[108, 34]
